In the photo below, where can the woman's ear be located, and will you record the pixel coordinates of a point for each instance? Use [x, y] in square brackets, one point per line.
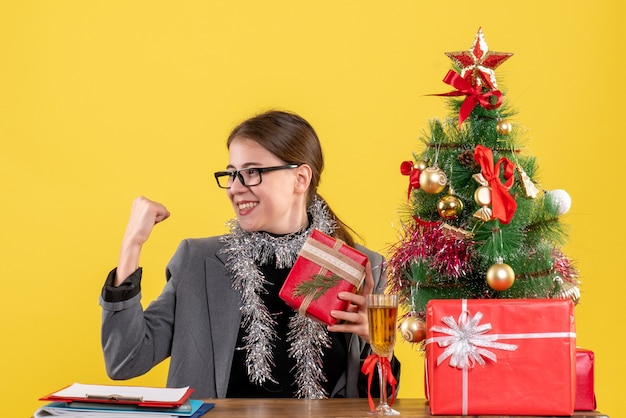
[303, 178]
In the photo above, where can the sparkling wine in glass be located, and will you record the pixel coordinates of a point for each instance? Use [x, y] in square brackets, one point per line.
[382, 313]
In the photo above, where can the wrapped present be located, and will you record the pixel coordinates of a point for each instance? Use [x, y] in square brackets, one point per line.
[325, 266]
[585, 392]
[500, 357]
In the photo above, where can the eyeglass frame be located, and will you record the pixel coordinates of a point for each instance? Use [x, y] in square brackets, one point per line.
[261, 170]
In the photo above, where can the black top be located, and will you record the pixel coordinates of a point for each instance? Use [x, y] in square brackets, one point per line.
[334, 358]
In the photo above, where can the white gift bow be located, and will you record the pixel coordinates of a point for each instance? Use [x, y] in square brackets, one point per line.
[467, 342]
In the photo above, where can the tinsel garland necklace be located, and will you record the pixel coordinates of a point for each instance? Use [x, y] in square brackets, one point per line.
[245, 252]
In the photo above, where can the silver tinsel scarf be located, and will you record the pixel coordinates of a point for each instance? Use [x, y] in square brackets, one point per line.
[245, 252]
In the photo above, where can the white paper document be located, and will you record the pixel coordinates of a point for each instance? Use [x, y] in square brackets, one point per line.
[143, 394]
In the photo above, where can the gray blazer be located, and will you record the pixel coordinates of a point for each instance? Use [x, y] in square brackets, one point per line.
[195, 321]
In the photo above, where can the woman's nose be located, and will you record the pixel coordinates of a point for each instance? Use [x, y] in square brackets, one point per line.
[237, 185]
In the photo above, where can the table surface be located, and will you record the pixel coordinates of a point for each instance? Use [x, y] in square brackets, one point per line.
[327, 408]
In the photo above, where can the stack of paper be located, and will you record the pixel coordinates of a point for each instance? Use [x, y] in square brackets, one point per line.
[102, 401]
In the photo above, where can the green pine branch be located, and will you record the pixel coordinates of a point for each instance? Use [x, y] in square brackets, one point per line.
[317, 286]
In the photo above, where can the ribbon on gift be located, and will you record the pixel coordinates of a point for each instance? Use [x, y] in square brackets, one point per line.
[369, 368]
[473, 95]
[407, 168]
[465, 339]
[467, 342]
[502, 203]
[330, 259]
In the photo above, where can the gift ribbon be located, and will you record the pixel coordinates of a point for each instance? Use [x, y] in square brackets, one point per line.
[473, 95]
[330, 259]
[466, 340]
[407, 168]
[466, 337]
[369, 369]
[502, 203]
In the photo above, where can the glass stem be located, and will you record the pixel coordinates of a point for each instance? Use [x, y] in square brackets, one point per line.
[382, 377]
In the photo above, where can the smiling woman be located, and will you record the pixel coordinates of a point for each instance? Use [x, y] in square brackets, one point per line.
[229, 284]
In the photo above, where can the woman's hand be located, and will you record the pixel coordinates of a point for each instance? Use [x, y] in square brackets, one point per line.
[144, 215]
[354, 318]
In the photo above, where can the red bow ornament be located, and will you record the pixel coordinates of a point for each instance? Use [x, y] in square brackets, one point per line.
[369, 369]
[473, 95]
[407, 168]
[502, 203]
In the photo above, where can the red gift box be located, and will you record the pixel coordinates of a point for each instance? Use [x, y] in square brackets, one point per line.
[500, 357]
[585, 393]
[325, 266]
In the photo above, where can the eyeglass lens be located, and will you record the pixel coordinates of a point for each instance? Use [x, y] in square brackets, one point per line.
[247, 176]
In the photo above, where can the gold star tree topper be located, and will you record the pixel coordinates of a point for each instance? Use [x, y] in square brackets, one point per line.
[478, 63]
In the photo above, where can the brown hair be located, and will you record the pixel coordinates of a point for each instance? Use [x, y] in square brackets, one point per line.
[292, 139]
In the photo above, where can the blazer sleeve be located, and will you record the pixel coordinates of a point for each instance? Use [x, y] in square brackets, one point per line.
[134, 340]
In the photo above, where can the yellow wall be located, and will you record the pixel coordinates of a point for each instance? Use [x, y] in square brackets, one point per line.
[101, 101]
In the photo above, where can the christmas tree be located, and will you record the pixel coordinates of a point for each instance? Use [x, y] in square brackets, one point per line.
[478, 224]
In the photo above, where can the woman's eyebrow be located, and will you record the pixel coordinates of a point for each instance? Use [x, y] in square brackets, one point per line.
[246, 165]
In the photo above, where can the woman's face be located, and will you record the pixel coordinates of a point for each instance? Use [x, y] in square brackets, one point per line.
[278, 204]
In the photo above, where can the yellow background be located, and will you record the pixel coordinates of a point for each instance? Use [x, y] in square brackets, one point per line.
[101, 101]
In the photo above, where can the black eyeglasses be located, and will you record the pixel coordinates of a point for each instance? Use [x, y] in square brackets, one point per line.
[247, 176]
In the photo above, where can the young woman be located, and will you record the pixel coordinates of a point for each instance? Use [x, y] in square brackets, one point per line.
[219, 316]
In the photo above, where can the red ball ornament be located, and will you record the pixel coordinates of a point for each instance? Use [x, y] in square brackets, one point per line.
[500, 276]
[413, 329]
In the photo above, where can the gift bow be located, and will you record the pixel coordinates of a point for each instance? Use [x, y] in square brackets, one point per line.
[466, 341]
[473, 95]
[407, 168]
[503, 204]
[369, 368]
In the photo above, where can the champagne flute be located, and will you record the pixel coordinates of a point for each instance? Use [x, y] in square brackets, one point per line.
[382, 312]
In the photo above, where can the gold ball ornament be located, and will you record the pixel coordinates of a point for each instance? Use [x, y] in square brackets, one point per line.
[500, 276]
[420, 165]
[504, 127]
[449, 207]
[413, 329]
[569, 291]
[433, 180]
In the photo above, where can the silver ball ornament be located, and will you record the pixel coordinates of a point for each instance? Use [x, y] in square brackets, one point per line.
[561, 200]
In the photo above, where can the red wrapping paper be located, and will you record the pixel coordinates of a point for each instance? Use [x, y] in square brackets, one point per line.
[585, 392]
[340, 260]
[531, 371]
